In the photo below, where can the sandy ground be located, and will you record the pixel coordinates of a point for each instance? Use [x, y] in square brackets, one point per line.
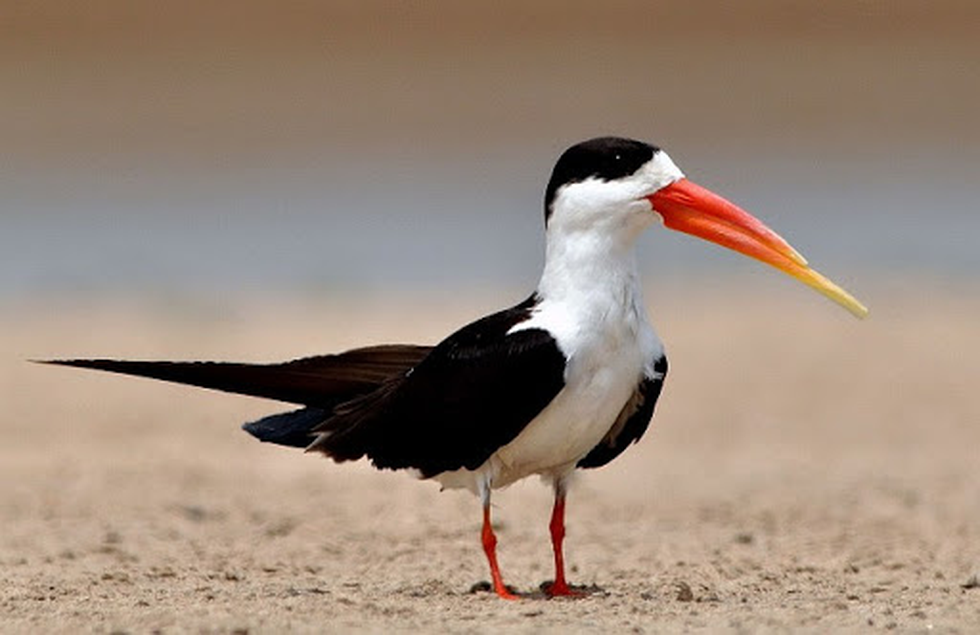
[805, 472]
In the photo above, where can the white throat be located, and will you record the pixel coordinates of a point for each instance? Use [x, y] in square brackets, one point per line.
[581, 265]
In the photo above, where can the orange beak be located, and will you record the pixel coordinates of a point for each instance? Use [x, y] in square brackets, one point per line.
[692, 209]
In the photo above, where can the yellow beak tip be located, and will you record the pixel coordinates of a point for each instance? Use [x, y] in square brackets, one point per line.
[860, 311]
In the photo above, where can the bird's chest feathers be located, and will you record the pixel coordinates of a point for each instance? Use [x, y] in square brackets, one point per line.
[606, 340]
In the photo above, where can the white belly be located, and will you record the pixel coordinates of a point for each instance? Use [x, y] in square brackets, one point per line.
[575, 422]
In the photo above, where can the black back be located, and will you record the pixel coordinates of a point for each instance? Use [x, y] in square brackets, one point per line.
[606, 158]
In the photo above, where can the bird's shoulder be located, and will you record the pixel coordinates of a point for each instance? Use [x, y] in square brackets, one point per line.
[492, 336]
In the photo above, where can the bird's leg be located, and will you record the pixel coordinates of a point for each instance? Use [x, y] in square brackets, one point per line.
[490, 548]
[559, 587]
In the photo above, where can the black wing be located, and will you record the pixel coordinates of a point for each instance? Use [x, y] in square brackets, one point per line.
[632, 421]
[322, 381]
[473, 394]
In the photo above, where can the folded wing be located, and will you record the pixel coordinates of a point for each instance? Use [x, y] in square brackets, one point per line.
[471, 395]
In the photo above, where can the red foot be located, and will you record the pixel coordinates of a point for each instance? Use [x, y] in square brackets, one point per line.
[504, 594]
[561, 589]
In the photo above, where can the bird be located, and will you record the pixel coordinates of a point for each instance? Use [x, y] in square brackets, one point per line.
[565, 380]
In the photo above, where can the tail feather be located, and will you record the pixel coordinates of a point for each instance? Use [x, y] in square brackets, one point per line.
[294, 429]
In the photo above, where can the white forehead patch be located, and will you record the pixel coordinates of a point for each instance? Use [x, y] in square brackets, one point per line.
[660, 170]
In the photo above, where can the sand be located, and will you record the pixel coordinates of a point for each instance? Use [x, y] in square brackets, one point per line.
[805, 472]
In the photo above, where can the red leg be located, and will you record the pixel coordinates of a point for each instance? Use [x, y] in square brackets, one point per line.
[490, 548]
[559, 587]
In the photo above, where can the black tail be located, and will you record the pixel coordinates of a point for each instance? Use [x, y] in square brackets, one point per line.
[321, 383]
[288, 428]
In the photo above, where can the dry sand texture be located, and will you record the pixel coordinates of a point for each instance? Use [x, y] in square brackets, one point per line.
[805, 472]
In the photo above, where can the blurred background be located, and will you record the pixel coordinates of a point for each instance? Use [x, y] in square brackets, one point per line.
[261, 181]
[215, 154]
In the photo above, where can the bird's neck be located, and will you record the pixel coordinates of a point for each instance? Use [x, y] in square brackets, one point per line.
[582, 268]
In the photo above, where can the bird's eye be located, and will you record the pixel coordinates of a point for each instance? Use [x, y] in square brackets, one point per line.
[618, 157]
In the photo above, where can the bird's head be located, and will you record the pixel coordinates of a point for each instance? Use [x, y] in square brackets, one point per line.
[614, 188]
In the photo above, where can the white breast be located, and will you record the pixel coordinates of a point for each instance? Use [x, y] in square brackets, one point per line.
[608, 354]
[610, 346]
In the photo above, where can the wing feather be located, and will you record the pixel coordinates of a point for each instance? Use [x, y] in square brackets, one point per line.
[473, 394]
[321, 381]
